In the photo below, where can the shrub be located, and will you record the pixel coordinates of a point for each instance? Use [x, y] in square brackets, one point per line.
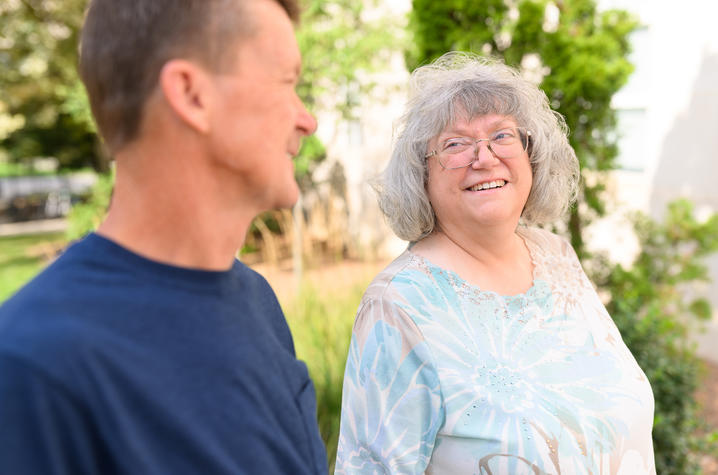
[653, 307]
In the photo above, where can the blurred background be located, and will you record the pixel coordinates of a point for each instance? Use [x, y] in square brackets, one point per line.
[637, 81]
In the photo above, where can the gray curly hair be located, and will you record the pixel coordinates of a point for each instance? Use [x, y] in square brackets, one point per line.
[465, 85]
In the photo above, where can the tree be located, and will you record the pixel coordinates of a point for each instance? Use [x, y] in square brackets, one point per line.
[41, 97]
[576, 54]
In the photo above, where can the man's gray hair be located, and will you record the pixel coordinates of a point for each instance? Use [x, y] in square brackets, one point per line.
[463, 85]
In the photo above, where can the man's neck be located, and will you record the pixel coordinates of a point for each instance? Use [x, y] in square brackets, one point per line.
[172, 209]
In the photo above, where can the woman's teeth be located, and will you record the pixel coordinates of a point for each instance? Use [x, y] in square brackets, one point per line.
[488, 185]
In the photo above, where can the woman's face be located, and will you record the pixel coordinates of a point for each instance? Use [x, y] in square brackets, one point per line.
[455, 196]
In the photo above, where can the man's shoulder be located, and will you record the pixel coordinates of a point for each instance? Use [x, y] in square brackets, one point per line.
[44, 318]
[38, 296]
[38, 339]
[48, 291]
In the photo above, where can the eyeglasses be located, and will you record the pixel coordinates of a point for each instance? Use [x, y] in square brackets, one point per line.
[460, 152]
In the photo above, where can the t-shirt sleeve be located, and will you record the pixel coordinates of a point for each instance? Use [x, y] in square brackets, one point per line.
[43, 430]
[392, 407]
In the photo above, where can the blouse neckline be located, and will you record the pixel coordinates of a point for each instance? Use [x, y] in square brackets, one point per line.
[523, 234]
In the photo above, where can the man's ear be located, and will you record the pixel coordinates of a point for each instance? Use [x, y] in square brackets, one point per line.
[185, 87]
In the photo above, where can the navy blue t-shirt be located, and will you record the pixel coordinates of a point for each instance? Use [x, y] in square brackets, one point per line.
[113, 363]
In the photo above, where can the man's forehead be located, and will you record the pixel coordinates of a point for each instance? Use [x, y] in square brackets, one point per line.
[273, 40]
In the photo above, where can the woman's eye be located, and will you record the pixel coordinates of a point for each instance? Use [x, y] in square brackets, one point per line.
[503, 135]
[455, 143]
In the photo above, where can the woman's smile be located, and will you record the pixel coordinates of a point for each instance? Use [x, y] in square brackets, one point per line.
[487, 185]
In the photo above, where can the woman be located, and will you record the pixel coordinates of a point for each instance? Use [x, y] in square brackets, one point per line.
[484, 348]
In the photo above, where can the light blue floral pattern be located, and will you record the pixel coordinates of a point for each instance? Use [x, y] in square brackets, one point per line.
[380, 378]
[443, 377]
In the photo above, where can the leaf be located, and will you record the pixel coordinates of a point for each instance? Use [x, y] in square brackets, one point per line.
[701, 308]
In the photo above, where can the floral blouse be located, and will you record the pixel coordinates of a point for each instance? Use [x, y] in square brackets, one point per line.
[445, 378]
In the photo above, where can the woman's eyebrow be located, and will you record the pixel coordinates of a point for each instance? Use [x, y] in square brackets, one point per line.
[455, 131]
[465, 131]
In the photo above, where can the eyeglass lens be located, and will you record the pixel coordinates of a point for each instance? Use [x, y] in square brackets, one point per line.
[460, 152]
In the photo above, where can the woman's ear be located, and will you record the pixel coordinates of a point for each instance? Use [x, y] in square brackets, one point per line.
[186, 88]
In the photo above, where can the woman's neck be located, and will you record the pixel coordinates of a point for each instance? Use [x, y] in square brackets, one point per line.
[497, 261]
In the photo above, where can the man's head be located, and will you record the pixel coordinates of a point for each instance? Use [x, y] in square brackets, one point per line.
[216, 77]
[125, 44]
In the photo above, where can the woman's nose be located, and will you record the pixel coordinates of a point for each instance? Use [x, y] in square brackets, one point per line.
[483, 155]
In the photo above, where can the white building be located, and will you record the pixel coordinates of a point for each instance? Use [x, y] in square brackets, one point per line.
[669, 115]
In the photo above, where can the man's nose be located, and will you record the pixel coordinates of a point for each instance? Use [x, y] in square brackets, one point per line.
[306, 121]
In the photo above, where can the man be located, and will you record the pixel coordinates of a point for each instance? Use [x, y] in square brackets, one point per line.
[147, 347]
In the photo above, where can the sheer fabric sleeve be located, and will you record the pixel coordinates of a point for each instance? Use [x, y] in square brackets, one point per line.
[391, 402]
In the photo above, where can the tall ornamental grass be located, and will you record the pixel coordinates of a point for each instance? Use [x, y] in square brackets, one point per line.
[321, 323]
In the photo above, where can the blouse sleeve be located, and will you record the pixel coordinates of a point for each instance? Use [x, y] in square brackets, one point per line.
[391, 402]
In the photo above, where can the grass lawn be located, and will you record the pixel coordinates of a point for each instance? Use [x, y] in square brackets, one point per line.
[21, 257]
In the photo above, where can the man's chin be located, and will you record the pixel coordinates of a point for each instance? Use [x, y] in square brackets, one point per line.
[289, 198]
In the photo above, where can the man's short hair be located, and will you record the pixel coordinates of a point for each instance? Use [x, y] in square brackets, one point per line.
[124, 45]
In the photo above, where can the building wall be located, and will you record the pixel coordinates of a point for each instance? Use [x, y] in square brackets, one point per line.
[669, 113]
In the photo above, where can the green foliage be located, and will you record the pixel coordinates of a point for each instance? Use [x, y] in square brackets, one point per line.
[579, 59]
[322, 325]
[21, 257]
[311, 154]
[655, 313]
[87, 216]
[340, 47]
[8, 169]
[15, 169]
[42, 102]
